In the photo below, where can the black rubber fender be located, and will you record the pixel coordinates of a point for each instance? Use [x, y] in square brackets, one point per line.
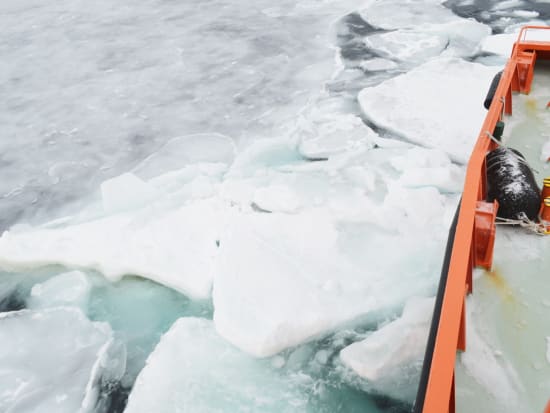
[511, 182]
[492, 90]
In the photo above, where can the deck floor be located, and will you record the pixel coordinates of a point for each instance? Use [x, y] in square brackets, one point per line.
[506, 367]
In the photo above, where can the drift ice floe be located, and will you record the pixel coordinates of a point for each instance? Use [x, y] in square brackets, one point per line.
[505, 365]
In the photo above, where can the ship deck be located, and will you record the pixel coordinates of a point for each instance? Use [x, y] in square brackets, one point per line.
[506, 367]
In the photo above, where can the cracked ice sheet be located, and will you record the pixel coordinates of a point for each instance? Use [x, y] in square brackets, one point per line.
[55, 360]
[421, 30]
[436, 105]
[217, 376]
[285, 278]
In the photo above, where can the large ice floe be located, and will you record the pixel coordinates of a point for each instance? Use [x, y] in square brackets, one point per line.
[56, 360]
[435, 105]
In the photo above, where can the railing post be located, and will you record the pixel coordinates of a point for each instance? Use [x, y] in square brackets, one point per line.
[461, 345]
[452, 398]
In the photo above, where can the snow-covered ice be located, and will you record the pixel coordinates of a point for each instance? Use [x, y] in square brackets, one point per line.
[56, 360]
[436, 105]
[420, 30]
[284, 279]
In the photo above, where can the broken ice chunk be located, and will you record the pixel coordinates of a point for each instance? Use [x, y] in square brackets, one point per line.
[68, 289]
[391, 357]
[55, 360]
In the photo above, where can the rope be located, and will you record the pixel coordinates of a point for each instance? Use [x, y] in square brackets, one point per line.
[495, 140]
[525, 223]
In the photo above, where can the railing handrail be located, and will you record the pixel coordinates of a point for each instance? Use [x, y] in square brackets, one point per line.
[522, 36]
[436, 390]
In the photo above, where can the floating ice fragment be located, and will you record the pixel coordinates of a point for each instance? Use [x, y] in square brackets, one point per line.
[126, 192]
[377, 64]
[68, 289]
[391, 357]
[407, 45]
[194, 369]
[323, 135]
[188, 150]
[421, 30]
[66, 357]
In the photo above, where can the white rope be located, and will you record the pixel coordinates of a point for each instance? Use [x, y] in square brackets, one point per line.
[525, 223]
[495, 140]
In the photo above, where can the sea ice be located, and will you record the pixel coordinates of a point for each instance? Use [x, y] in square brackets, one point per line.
[68, 289]
[390, 359]
[183, 151]
[422, 167]
[407, 45]
[323, 135]
[194, 369]
[284, 279]
[436, 105]
[421, 30]
[126, 192]
[396, 14]
[378, 64]
[56, 360]
[175, 247]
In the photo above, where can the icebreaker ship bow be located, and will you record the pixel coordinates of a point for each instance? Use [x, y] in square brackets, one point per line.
[503, 364]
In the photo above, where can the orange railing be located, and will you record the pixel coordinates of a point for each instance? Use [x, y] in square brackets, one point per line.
[436, 390]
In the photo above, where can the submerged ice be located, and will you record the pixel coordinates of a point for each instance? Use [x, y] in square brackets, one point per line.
[208, 372]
